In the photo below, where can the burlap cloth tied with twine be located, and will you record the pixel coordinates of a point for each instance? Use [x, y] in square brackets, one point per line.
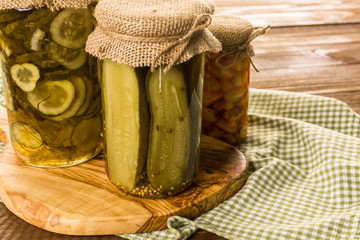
[235, 35]
[52, 4]
[152, 32]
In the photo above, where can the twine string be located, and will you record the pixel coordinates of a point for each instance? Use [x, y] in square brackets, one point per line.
[201, 22]
[245, 50]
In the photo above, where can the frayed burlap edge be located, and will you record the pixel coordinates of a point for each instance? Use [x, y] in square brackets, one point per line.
[242, 51]
[145, 54]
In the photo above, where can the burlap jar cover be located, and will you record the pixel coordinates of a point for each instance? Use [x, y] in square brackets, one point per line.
[52, 4]
[235, 35]
[152, 32]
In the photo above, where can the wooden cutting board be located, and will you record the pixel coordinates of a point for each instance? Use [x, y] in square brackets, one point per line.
[80, 200]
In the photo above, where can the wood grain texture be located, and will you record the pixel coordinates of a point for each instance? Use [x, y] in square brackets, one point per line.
[319, 60]
[331, 22]
[80, 200]
[292, 13]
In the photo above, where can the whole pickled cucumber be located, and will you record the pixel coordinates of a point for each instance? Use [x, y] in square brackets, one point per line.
[126, 123]
[195, 76]
[169, 144]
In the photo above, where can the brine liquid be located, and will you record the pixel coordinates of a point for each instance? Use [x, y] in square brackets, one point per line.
[51, 86]
[152, 137]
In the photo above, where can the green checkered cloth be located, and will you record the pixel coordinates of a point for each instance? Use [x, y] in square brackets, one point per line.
[304, 154]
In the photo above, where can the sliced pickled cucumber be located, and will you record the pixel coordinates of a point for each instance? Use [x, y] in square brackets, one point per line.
[40, 59]
[40, 18]
[86, 135]
[23, 29]
[52, 97]
[127, 123]
[169, 143]
[8, 96]
[17, 30]
[80, 93]
[37, 39]
[56, 74]
[71, 28]
[94, 106]
[70, 58]
[87, 99]
[11, 15]
[10, 46]
[26, 135]
[25, 76]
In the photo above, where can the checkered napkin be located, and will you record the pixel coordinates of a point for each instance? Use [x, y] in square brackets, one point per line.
[304, 154]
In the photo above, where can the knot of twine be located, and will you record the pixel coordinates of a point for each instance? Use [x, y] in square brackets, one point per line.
[245, 50]
[201, 22]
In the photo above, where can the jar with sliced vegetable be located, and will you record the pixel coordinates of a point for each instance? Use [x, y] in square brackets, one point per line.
[226, 82]
[51, 86]
[152, 72]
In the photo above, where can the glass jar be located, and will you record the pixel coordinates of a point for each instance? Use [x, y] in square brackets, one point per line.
[152, 126]
[51, 87]
[226, 82]
[226, 97]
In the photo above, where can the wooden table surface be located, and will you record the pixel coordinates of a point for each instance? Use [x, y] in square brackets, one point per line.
[312, 47]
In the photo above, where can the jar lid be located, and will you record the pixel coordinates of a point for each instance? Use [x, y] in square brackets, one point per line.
[152, 32]
[52, 4]
[235, 35]
[231, 31]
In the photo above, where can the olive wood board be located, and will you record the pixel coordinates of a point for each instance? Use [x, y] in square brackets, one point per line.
[80, 200]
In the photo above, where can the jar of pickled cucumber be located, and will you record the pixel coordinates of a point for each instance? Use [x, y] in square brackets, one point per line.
[51, 88]
[226, 82]
[152, 72]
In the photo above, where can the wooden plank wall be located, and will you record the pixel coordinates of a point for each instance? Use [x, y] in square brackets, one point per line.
[312, 47]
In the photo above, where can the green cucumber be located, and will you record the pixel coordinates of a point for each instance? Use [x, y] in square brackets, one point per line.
[126, 123]
[10, 46]
[169, 143]
[87, 100]
[7, 94]
[25, 135]
[69, 58]
[71, 27]
[56, 74]
[40, 59]
[52, 97]
[24, 28]
[195, 78]
[86, 135]
[80, 93]
[25, 76]
[10, 15]
[37, 39]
